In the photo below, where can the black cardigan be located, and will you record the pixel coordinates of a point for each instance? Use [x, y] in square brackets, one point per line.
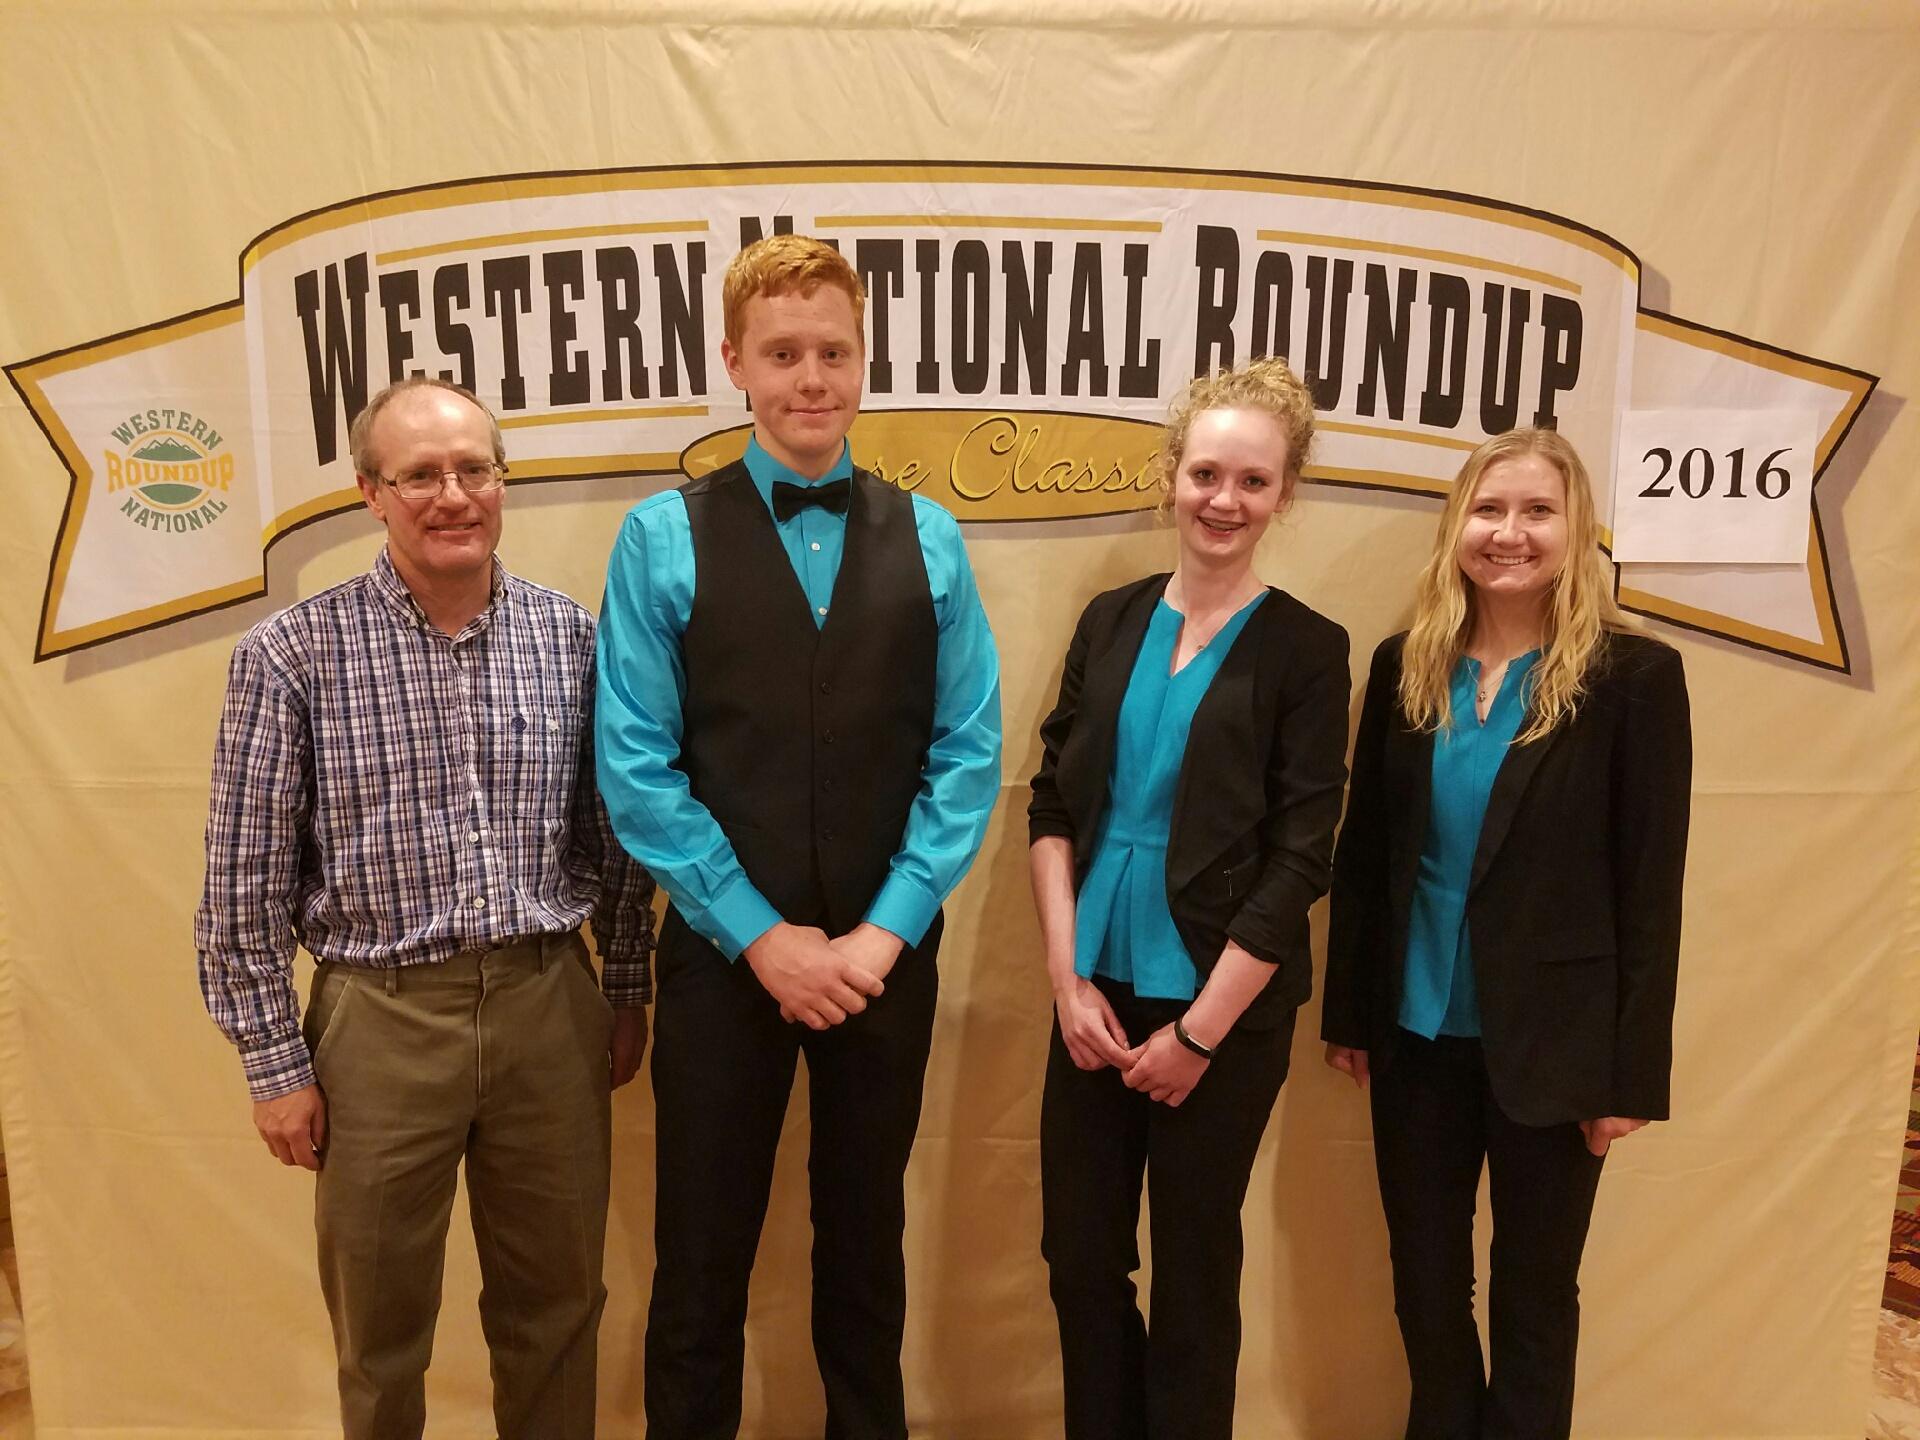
[1573, 910]
[1259, 791]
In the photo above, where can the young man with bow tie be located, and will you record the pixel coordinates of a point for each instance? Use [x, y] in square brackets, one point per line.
[799, 735]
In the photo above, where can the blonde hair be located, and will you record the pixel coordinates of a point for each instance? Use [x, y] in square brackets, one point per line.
[360, 433]
[1580, 604]
[784, 265]
[1267, 384]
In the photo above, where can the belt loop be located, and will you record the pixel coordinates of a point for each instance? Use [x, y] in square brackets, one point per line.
[393, 980]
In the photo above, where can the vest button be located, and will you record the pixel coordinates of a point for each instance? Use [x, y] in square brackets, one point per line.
[826, 687]
[826, 737]
[827, 835]
[826, 782]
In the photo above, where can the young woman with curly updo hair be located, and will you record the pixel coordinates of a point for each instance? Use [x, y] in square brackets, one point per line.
[1182, 824]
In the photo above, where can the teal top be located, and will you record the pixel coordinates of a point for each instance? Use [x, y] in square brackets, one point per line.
[1122, 927]
[1439, 997]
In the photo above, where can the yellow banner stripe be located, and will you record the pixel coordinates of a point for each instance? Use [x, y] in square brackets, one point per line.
[538, 237]
[60, 642]
[542, 186]
[1418, 252]
[630, 412]
[981, 222]
[657, 463]
[1381, 432]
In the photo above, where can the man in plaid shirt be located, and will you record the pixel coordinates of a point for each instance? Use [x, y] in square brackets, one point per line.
[403, 784]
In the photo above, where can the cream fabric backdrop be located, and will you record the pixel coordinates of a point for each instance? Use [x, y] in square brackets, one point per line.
[1760, 158]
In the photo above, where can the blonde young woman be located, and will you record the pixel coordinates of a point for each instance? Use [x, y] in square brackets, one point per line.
[1506, 926]
[1181, 827]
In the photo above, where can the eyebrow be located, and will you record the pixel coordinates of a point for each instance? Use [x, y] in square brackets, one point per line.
[1201, 457]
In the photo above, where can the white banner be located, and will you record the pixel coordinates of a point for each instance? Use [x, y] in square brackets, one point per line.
[1026, 326]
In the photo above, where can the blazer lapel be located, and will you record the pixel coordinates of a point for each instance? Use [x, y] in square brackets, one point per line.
[1509, 788]
[1219, 745]
[1408, 768]
[1102, 689]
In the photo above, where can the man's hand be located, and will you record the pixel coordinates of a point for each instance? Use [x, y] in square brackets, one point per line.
[1349, 1062]
[1608, 1128]
[1088, 1026]
[813, 982]
[629, 1043]
[1164, 1068]
[294, 1126]
[874, 950]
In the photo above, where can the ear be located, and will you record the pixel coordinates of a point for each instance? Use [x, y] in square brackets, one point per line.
[370, 492]
[730, 357]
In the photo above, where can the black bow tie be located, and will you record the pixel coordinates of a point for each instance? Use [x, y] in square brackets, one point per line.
[790, 500]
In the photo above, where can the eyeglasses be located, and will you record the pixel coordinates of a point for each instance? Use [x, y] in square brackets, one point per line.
[476, 477]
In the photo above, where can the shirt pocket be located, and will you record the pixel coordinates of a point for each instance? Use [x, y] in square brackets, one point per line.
[536, 752]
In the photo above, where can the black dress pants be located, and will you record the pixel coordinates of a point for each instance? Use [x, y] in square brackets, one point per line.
[1172, 1379]
[1435, 1122]
[723, 1063]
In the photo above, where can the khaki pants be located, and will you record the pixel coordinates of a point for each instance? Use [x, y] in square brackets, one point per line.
[501, 1058]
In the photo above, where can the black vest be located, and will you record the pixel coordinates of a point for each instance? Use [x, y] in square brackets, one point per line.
[807, 742]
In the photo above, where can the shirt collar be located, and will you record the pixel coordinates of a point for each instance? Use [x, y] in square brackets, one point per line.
[393, 590]
[765, 470]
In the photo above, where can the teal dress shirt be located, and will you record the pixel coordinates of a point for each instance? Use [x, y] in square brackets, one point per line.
[642, 691]
[1122, 928]
[1439, 997]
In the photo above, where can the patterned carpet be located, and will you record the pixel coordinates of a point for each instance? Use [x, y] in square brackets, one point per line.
[1903, 1259]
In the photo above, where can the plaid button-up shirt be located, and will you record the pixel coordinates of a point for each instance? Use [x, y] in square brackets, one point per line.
[385, 794]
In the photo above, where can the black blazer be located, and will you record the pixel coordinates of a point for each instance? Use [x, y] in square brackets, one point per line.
[1574, 908]
[1259, 790]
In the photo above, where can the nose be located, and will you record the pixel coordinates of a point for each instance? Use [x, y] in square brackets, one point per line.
[451, 494]
[1507, 530]
[812, 373]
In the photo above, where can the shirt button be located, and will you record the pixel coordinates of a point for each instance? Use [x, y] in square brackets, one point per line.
[816, 545]
[473, 837]
[479, 902]
[823, 609]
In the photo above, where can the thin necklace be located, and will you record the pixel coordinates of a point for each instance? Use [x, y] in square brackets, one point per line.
[1490, 680]
[1214, 621]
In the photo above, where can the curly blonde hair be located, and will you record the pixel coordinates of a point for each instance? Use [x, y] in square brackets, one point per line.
[1580, 606]
[785, 265]
[1267, 384]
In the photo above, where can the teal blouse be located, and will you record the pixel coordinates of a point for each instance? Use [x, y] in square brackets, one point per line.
[1122, 926]
[1439, 997]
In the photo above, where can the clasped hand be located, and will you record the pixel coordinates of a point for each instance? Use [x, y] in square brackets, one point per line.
[1162, 1068]
[820, 982]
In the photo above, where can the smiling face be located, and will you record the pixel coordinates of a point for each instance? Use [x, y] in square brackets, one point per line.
[1231, 482]
[450, 538]
[801, 362]
[1514, 539]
